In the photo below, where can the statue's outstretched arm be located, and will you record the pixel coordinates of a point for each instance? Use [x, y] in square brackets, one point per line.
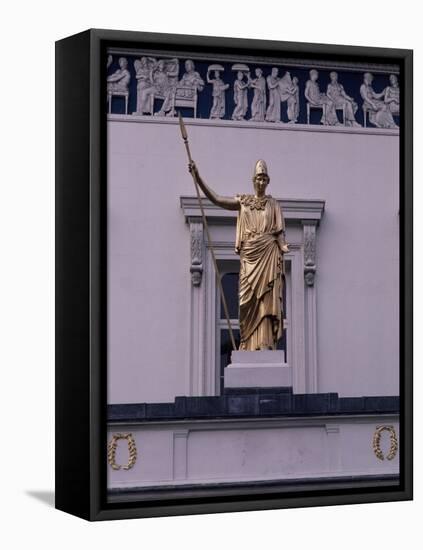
[229, 203]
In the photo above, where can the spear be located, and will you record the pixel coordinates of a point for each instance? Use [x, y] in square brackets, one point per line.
[206, 227]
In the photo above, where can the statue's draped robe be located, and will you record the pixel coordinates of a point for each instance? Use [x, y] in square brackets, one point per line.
[260, 280]
[317, 98]
[393, 92]
[335, 92]
[258, 105]
[218, 94]
[273, 112]
[240, 100]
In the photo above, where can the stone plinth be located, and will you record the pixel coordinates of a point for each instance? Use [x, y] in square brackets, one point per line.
[258, 369]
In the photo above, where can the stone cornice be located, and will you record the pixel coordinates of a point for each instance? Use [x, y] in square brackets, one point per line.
[328, 64]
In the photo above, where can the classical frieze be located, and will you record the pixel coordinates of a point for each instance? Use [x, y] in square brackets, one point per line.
[162, 86]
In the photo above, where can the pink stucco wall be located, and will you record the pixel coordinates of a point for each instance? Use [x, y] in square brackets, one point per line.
[355, 172]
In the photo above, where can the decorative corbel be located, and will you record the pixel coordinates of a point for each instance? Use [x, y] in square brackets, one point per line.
[309, 228]
[196, 232]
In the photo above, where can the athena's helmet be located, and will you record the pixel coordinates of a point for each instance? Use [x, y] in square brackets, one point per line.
[260, 168]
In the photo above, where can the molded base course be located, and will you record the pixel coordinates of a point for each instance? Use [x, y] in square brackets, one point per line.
[133, 494]
[232, 451]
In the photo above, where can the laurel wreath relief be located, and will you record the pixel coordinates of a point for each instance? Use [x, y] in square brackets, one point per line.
[376, 442]
[132, 450]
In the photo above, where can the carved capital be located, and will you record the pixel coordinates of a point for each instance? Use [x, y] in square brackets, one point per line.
[196, 232]
[309, 229]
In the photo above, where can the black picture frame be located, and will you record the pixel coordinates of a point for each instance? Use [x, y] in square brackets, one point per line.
[81, 254]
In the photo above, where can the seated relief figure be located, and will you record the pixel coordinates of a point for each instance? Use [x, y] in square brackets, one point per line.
[379, 112]
[317, 99]
[258, 105]
[165, 77]
[119, 80]
[159, 79]
[190, 81]
[156, 79]
[392, 95]
[341, 100]
[219, 87]
[260, 243]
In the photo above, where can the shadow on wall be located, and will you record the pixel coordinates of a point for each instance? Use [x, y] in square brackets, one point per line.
[46, 497]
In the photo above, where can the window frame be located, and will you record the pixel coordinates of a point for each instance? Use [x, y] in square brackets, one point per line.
[302, 218]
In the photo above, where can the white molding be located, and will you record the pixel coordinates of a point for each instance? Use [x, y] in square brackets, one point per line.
[207, 342]
[210, 314]
[257, 422]
[195, 337]
[301, 297]
[224, 251]
[310, 268]
[180, 454]
[260, 59]
[311, 339]
[250, 124]
[296, 351]
[334, 454]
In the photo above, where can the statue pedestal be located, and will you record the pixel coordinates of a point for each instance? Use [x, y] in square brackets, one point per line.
[258, 369]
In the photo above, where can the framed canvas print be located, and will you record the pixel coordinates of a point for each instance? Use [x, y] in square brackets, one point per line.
[234, 274]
